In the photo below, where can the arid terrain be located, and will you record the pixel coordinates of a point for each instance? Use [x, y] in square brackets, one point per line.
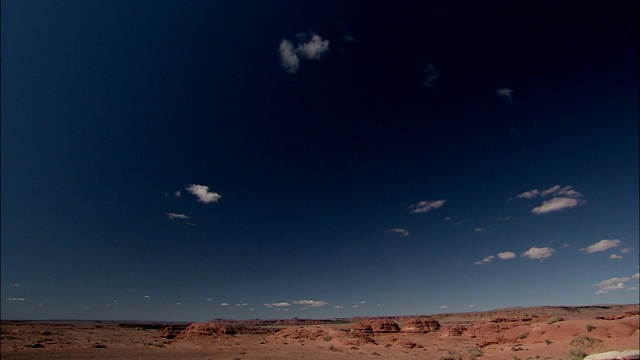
[514, 333]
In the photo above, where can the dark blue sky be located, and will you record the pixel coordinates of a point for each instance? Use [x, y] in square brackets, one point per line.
[359, 158]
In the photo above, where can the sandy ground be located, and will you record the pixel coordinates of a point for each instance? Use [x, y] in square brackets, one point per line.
[538, 333]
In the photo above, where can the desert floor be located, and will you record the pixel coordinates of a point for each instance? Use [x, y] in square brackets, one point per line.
[516, 333]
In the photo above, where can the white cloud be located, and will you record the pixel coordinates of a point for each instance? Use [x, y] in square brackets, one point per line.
[400, 231]
[177, 193]
[549, 191]
[431, 74]
[504, 93]
[504, 218]
[338, 307]
[531, 194]
[555, 204]
[251, 309]
[362, 302]
[203, 194]
[15, 299]
[310, 303]
[471, 305]
[426, 206]
[615, 256]
[616, 283]
[443, 307]
[563, 198]
[224, 304]
[625, 250]
[146, 296]
[538, 253]
[355, 306]
[288, 58]
[485, 260]
[480, 229]
[174, 216]
[209, 299]
[602, 245]
[14, 284]
[314, 49]
[507, 255]
[278, 304]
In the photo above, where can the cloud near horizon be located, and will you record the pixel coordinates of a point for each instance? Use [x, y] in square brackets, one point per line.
[203, 194]
[505, 94]
[536, 253]
[278, 304]
[616, 283]
[507, 255]
[485, 260]
[310, 303]
[602, 245]
[426, 206]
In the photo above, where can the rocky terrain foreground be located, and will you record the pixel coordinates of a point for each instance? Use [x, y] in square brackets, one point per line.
[515, 333]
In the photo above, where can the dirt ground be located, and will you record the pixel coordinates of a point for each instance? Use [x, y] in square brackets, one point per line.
[518, 333]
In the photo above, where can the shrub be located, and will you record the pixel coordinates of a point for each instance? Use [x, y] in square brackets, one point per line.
[332, 348]
[522, 336]
[327, 338]
[553, 319]
[387, 345]
[576, 354]
[547, 341]
[475, 352]
[589, 327]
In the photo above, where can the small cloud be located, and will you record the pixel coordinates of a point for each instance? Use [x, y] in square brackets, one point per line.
[179, 304]
[555, 204]
[209, 299]
[310, 303]
[430, 75]
[505, 93]
[538, 253]
[400, 231]
[602, 245]
[174, 216]
[288, 58]
[447, 218]
[147, 296]
[480, 230]
[190, 223]
[338, 307]
[177, 193]
[616, 283]
[426, 206]
[314, 49]
[15, 299]
[485, 260]
[16, 285]
[251, 309]
[362, 302]
[243, 304]
[203, 194]
[355, 306]
[507, 255]
[615, 257]
[504, 218]
[565, 246]
[443, 307]
[224, 304]
[625, 250]
[471, 305]
[278, 304]
[563, 198]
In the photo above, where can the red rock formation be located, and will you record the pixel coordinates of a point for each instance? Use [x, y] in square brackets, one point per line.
[456, 330]
[205, 329]
[420, 325]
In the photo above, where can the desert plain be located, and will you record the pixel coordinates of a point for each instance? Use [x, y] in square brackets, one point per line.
[546, 332]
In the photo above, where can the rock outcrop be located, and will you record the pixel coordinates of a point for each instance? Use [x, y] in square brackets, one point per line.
[376, 326]
[420, 325]
[205, 329]
[319, 332]
[615, 355]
